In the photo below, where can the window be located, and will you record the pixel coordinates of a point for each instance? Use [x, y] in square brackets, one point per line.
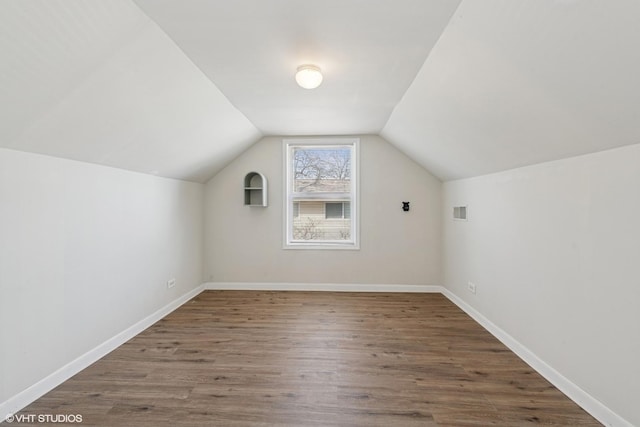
[321, 193]
[339, 210]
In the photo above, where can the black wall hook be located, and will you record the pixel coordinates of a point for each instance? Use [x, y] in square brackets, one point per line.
[405, 206]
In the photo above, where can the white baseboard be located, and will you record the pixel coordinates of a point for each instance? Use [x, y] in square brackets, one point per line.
[34, 392]
[575, 393]
[322, 287]
[587, 402]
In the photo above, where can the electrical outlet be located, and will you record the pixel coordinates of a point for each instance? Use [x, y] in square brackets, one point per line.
[471, 287]
[171, 283]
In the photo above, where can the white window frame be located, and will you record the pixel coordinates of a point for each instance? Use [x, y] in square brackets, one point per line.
[289, 196]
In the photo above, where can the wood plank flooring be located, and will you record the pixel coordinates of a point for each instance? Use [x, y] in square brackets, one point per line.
[244, 358]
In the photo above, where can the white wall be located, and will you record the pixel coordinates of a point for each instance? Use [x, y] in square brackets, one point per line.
[85, 252]
[244, 244]
[554, 252]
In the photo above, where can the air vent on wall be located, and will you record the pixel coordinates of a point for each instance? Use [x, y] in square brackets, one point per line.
[460, 212]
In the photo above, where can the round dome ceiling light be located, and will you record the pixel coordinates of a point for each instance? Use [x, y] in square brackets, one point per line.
[308, 76]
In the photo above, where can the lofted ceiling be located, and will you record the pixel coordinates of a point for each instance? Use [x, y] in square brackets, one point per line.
[517, 82]
[369, 51]
[179, 88]
[98, 81]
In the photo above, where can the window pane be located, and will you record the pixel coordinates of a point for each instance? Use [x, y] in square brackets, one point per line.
[321, 194]
[321, 221]
[326, 170]
[333, 210]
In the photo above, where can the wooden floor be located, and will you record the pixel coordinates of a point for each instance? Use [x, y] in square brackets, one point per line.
[241, 358]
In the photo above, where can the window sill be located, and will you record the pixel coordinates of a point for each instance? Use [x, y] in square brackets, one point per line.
[322, 246]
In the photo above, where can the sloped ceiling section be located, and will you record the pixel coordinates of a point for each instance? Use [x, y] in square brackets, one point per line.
[518, 82]
[98, 81]
[180, 87]
[369, 50]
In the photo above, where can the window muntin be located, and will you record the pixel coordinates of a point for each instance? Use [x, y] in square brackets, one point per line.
[321, 202]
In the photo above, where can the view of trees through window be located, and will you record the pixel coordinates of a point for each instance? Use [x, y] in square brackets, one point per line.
[320, 193]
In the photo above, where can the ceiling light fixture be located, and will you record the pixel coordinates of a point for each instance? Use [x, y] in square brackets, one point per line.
[309, 76]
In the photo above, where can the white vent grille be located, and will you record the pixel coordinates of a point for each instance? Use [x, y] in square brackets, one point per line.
[460, 212]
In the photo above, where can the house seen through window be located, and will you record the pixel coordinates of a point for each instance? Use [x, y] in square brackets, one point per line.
[337, 210]
[321, 193]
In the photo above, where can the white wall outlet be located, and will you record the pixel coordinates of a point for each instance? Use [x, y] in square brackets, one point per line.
[471, 287]
[171, 283]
